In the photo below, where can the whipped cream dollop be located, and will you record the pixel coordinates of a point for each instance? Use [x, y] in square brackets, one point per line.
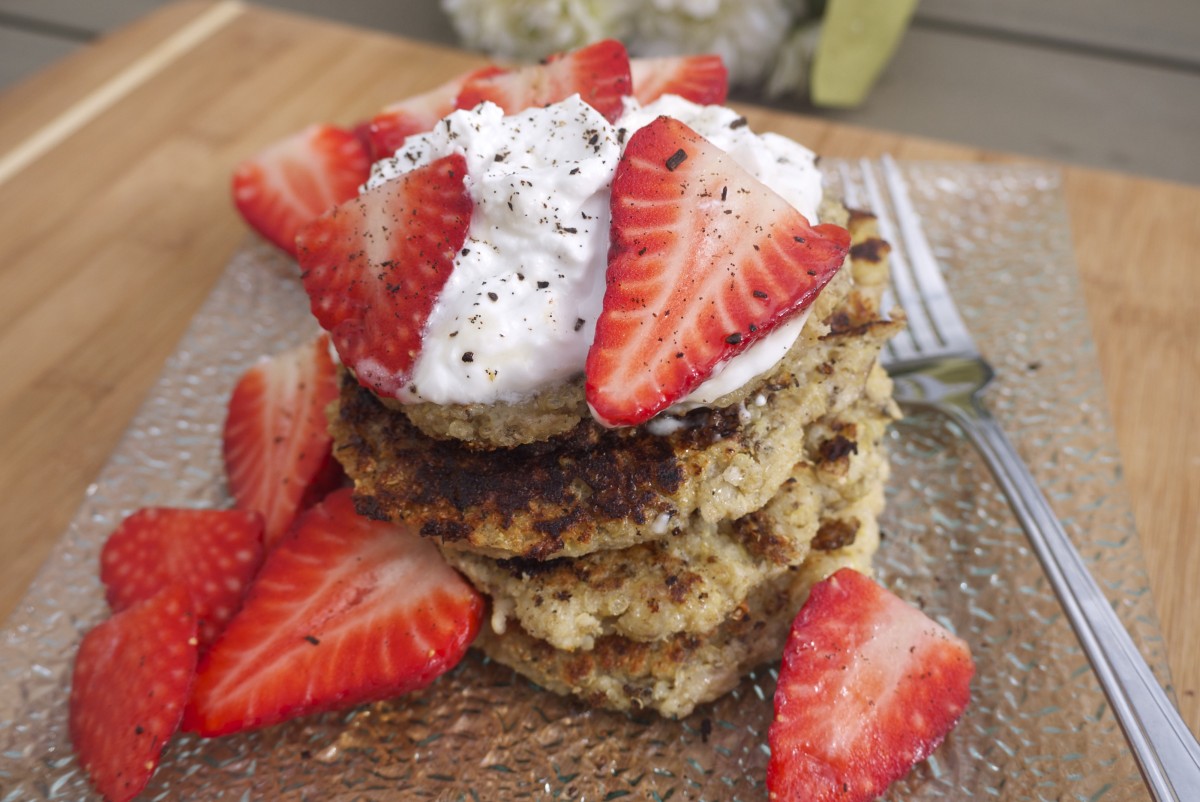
[518, 313]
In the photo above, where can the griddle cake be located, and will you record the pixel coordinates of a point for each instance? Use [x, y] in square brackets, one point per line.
[693, 579]
[650, 567]
[558, 409]
[597, 488]
[675, 674]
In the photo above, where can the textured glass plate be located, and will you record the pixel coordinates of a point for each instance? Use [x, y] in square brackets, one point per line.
[1038, 729]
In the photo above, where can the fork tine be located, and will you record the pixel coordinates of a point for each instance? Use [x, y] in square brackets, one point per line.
[930, 284]
[919, 336]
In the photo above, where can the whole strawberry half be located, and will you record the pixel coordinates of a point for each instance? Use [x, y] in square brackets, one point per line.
[417, 114]
[703, 260]
[345, 610]
[292, 182]
[868, 688]
[598, 73]
[277, 448]
[213, 554]
[132, 677]
[373, 267]
[701, 79]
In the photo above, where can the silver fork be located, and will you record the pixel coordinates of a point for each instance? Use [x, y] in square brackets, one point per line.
[936, 365]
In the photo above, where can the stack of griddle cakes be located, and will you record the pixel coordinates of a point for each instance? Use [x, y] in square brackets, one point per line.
[650, 567]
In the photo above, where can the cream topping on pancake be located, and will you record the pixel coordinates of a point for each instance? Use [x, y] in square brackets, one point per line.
[519, 311]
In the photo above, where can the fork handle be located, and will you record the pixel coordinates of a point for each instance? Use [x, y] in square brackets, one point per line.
[1166, 751]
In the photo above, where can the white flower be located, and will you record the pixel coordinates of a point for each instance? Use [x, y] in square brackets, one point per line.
[746, 33]
[533, 29]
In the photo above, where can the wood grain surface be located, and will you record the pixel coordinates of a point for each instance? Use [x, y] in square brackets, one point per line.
[116, 222]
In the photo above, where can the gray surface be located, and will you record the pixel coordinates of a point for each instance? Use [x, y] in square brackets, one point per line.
[23, 53]
[1041, 102]
[1112, 85]
[1165, 29]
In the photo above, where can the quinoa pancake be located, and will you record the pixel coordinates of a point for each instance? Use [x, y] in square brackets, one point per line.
[597, 488]
[557, 409]
[675, 674]
[696, 577]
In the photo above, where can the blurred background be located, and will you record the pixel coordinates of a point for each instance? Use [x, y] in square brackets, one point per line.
[1096, 82]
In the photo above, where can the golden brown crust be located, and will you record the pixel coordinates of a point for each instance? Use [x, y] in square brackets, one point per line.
[693, 578]
[675, 674]
[595, 488]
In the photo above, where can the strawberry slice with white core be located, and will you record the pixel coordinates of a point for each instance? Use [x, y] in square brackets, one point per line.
[292, 182]
[701, 79]
[276, 441]
[133, 674]
[598, 73]
[417, 114]
[374, 267]
[346, 610]
[212, 553]
[703, 261]
[868, 688]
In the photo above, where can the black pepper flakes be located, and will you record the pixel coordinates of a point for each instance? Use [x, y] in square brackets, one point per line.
[541, 285]
[469, 356]
[312, 640]
[734, 339]
[493, 296]
[578, 323]
[677, 158]
[739, 122]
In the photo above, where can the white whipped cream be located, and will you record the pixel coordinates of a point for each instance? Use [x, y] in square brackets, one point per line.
[518, 312]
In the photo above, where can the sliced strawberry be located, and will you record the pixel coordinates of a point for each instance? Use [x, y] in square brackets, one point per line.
[277, 444]
[598, 73]
[346, 610]
[868, 688]
[132, 677]
[293, 181]
[212, 553]
[362, 132]
[701, 79]
[703, 261]
[373, 267]
[417, 114]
